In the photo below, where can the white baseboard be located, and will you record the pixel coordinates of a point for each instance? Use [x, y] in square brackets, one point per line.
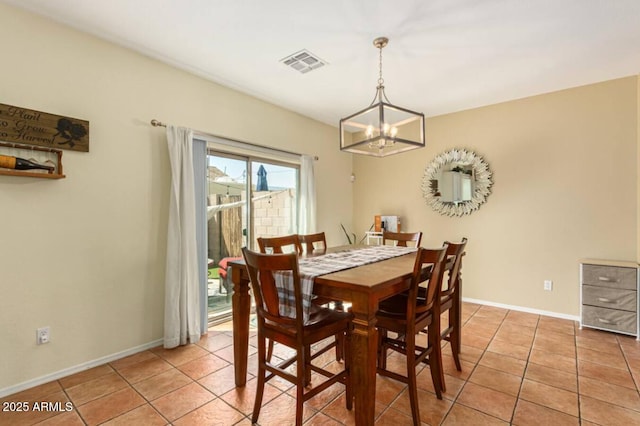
[523, 309]
[76, 369]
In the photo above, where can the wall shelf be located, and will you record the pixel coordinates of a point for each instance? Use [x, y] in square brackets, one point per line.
[48, 155]
[30, 174]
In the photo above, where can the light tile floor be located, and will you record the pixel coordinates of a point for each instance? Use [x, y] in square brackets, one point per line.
[517, 368]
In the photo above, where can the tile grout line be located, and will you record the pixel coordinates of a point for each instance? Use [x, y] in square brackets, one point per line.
[141, 396]
[453, 402]
[524, 372]
[626, 360]
[64, 390]
[474, 367]
[575, 347]
[176, 367]
[521, 379]
[575, 358]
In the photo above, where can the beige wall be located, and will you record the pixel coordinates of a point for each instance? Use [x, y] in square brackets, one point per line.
[638, 170]
[85, 255]
[565, 173]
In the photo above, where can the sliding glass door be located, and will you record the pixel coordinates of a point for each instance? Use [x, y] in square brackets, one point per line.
[247, 198]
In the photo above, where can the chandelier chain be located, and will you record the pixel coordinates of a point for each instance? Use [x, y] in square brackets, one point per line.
[380, 79]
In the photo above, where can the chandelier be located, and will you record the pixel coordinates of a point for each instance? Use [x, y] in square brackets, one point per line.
[382, 128]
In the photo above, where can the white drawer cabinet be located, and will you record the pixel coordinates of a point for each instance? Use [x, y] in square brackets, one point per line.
[609, 296]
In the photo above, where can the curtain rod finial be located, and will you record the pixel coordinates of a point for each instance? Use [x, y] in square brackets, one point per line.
[156, 123]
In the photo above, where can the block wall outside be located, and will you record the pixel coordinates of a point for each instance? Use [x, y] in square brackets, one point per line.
[274, 214]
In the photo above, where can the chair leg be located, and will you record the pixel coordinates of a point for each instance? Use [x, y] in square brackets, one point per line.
[454, 336]
[301, 374]
[440, 369]
[457, 303]
[382, 349]
[339, 306]
[339, 347]
[306, 364]
[411, 380]
[435, 359]
[436, 375]
[261, 380]
[454, 340]
[270, 351]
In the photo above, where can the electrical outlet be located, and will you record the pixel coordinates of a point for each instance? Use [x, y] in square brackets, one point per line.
[43, 335]
[548, 285]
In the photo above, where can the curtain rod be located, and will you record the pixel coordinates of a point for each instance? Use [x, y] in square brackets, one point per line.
[156, 123]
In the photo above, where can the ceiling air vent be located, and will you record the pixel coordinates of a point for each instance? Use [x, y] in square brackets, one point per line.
[303, 61]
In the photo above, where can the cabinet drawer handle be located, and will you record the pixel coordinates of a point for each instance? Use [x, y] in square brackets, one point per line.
[606, 279]
[604, 321]
[605, 300]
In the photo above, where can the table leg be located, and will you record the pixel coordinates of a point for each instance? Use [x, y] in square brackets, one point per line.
[241, 303]
[363, 365]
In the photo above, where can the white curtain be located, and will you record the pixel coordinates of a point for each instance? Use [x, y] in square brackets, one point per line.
[182, 293]
[307, 222]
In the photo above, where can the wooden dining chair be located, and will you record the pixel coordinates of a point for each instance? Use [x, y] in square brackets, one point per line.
[317, 244]
[290, 244]
[285, 244]
[406, 317]
[293, 332]
[313, 243]
[401, 238]
[450, 300]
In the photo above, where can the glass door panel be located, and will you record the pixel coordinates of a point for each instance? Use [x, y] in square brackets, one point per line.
[226, 226]
[274, 200]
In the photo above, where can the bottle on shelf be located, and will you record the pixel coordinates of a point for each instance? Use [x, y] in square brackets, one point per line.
[17, 163]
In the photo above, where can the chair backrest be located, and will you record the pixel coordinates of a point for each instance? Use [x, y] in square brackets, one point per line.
[434, 260]
[455, 251]
[313, 242]
[261, 268]
[286, 244]
[401, 238]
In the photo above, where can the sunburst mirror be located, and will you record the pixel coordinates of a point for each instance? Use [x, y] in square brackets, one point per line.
[456, 182]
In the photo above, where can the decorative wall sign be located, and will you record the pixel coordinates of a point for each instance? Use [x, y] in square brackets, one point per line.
[27, 126]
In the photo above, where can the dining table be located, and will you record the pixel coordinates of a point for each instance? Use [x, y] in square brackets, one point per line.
[364, 287]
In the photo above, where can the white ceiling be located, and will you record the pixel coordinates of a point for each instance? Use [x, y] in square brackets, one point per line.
[443, 55]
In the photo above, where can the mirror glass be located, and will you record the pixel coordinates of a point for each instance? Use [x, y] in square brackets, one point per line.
[456, 182]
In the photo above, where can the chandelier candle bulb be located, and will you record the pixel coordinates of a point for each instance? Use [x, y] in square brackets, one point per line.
[17, 163]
